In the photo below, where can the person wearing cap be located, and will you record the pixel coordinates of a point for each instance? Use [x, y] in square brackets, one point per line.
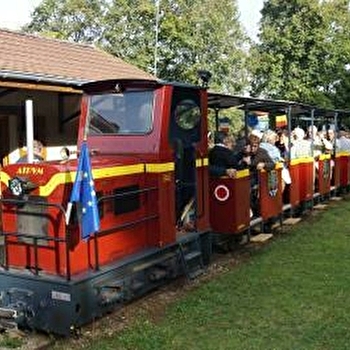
[222, 160]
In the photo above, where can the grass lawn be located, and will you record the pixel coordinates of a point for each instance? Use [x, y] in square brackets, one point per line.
[294, 293]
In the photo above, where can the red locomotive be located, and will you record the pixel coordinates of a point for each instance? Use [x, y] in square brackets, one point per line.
[149, 164]
[156, 205]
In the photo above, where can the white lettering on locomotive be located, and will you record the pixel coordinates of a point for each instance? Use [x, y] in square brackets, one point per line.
[25, 170]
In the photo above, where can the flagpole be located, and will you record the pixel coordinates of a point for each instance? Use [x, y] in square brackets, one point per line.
[156, 39]
[68, 212]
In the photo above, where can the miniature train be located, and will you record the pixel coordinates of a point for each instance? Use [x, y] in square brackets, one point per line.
[159, 209]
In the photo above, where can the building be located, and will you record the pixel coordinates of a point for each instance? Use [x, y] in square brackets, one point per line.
[49, 72]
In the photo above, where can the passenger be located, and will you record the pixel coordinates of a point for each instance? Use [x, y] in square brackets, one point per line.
[282, 142]
[259, 158]
[38, 149]
[301, 147]
[211, 142]
[256, 158]
[343, 140]
[319, 142]
[331, 137]
[222, 160]
[334, 142]
[269, 140]
[241, 142]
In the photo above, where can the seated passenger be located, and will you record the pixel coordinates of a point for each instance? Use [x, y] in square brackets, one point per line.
[241, 142]
[282, 142]
[38, 149]
[319, 142]
[343, 140]
[269, 140]
[211, 143]
[331, 136]
[301, 147]
[257, 159]
[222, 160]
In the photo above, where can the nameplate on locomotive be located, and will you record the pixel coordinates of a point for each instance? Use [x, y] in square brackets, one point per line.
[60, 296]
[28, 170]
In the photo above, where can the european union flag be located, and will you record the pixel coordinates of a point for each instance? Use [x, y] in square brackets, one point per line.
[83, 192]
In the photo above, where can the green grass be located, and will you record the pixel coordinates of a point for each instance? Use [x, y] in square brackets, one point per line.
[292, 294]
[7, 342]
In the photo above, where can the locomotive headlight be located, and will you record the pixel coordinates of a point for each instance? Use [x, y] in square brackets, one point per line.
[16, 187]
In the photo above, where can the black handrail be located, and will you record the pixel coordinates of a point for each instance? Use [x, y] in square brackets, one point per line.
[34, 238]
[66, 236]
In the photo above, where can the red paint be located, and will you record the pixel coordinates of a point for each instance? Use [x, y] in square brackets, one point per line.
[270, 206]
[232, 215]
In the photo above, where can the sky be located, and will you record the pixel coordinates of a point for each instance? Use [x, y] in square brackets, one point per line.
[16, 13]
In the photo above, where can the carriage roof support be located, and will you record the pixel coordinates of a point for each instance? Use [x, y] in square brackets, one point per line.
[289, 126]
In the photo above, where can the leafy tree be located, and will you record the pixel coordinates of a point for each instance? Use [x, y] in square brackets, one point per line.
[130, 31]
[303, 50]
[203, 34]
[74, 20]
[193, 34]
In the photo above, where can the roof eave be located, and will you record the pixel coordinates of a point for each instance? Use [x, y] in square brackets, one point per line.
[41, 78]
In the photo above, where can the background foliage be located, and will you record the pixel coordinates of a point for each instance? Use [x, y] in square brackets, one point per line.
[302, 53]
[192, 35]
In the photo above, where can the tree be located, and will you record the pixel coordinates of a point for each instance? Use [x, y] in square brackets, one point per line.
[74, 20]
[203, 34]
[193, 34]
[303, 50]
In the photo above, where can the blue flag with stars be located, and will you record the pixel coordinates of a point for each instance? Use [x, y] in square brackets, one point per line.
[83, 192]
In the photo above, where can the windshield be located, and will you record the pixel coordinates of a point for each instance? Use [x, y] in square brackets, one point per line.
[127, 113]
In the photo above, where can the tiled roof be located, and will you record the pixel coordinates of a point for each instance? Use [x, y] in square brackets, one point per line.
[31, 57]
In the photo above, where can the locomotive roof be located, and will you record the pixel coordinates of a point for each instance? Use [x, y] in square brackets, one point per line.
[119, 85]
[111, 84]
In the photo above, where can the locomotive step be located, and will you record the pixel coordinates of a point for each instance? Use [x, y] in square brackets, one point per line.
[195, 274]
[192, 255]
[320, 206]
[261, 238]
[291, 221]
